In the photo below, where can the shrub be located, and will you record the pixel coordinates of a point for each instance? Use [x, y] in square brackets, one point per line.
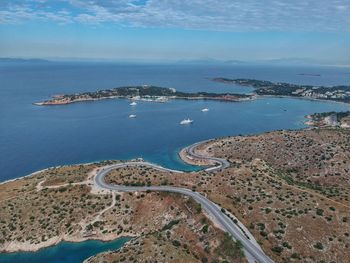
[268, 210]
[62, 189]
[319, 211]
[295, 255]
[170, 224]
[263, 233]
[277, 249]
[205, 229]
[318, 245]
[286, 244]
[198, 208]
[176, 243]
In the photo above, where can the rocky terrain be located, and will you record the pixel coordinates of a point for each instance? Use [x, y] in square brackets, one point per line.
[63, 204]
[329, 119]
[263, 88]
[290, 188]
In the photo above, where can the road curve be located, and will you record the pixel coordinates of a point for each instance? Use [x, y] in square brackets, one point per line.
[222, 163]
[214, 211]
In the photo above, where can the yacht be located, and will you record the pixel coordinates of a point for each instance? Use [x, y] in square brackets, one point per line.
[186, 121]
[205, 110]
[161, 99]
[132, 116]
[133, 103]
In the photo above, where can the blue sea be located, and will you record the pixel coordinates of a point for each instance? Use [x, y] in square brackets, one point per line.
[66, 252]
[34, 137]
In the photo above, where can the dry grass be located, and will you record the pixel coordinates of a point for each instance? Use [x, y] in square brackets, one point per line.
[173, 231]
[32, 218]
[291, 188]
[272, 188]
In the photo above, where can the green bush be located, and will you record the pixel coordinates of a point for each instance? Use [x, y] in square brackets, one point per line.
[319, 211]
[318, 245]
[277, 249]
[176, 243]
[205, 229]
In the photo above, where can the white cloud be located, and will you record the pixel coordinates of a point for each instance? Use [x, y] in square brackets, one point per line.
[224, 15]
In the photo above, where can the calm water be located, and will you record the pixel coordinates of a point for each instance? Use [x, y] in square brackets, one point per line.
[33, 137]
[66, 252]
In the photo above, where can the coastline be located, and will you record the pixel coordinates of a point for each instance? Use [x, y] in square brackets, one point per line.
[60, 166]
[42, 170]
[197, 149]
[185, 157]
[224, 99]
[14, 246]
[251, 98]
[29, 175]
[43, 103]
[180, 153]
[303, 98]
[283, 89]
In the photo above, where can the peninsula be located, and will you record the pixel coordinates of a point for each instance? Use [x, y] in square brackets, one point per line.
[331, 119]
[263, 88]
[288, 190]
[144, 93]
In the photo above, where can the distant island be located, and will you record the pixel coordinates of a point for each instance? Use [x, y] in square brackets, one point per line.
[143, 93]
[23, 60]
[263, 87]
[309, 74]
[333, 119]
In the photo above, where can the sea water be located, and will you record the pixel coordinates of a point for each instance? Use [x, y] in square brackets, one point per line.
[67, 252]
[36, 137]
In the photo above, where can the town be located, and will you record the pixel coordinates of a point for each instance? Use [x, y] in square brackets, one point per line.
[335, 93]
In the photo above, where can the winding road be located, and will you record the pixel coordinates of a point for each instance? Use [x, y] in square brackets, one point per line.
[253, 251]
[222, 163]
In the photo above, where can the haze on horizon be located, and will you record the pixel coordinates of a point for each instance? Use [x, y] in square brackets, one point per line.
[249, 30]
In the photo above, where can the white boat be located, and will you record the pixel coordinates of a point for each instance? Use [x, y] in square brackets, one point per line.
[132, 116]
[186, 121]
[133, 103]
[205, 110]
[161, 99]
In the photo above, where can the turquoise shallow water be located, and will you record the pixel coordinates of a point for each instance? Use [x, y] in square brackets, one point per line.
[66, 252]
[33, 138]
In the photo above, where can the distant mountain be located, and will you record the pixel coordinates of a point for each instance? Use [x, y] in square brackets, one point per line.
[211, 61]
[278, 61]
[294, 61]
[304, 61]
[200, 61]
[235, 61]
[22, 60]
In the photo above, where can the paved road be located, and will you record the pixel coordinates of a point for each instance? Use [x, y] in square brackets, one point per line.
[211, 208]
[222, 163]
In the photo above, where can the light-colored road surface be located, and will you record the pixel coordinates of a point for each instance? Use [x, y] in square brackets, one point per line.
[222, 163]
[253, 252]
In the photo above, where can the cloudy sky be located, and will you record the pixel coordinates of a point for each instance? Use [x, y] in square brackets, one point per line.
[176, 29]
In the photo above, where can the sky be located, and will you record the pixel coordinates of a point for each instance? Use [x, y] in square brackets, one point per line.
[248, 30]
